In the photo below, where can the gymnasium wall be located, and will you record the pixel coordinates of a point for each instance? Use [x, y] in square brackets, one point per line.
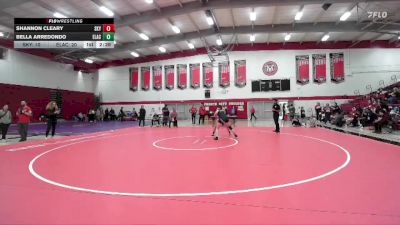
[29, 70]
[30, 78]
[362, 67]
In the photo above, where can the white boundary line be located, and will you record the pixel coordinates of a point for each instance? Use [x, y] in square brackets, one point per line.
[54, 143]
[155, 144]
[38, 176]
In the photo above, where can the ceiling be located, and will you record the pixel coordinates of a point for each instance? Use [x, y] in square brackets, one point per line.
[274, 20]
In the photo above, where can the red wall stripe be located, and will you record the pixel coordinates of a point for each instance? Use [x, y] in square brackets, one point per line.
[236, 100]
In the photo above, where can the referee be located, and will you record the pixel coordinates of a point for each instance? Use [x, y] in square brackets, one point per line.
[275, 110]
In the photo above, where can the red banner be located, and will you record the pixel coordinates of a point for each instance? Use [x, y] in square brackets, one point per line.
[133, 78]
[224, 74]
[240, 73]
[302, 69]
[194, 75]
[157, 77]
[337, 67]
[182, 76]
[208, 74]
[169, 77]
[319, 68]
[145, 77]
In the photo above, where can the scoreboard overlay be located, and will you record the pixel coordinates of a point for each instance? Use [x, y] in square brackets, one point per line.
[64, 32]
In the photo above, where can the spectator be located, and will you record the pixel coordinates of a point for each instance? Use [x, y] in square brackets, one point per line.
[173, 118]
[155, 117]
[327, 113]
[253, 113]
[5, 121]
[302, 113]
[121, 114]
[284, 116]
[392, 99]
[52, 113]
[202, 113]
[91, 115]
[338, 119]
[382, 119]
[99, 116]
[296, 121]
[165, 112]
[292, 111]
[193, 112]
[134, 114]
[142, 115]
[24, 114]
[106, 115]
[112, 114]
[318, 111]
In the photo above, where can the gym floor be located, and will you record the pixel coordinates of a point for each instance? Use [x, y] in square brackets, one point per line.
[179, 175]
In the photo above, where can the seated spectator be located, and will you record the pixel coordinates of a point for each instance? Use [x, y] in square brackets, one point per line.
[296, 122]
[155, 119]
[80, 117]
[91, 115]
[338, 119]
[121, 114]
[392, 98]
[335, 108]
[113, 116]
[382, 119]
[313, 122]
[134, 114]
[368, 117]
[353, 118]
[327, 111]
[106, 115]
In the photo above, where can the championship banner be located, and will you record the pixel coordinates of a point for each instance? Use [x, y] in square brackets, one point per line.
[169, 77]
[337, 66]
[208, 74]
[157, 77]
[319, 68]
[182, 75]
[133, 78]
[224, 75]
[240, 73]
[194, 75]
[145, 77]
[302, 69]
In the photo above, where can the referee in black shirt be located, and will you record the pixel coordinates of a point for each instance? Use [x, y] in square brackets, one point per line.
[275, 110]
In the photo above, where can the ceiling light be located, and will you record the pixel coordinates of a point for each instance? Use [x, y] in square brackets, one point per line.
[1, 34]
[397, 37]
[149, 1]
[162, 49]
[325, 37]
[252, 38]
[253, 16]
[176, 29]
[59, 15]
[191, 46]
[219, 41]
[115, 42]
[88, 61]
[135, 54]
[298, 15]
[210, 21]
[287, 37]
[345, 16]
[106, 11]
[144, 37]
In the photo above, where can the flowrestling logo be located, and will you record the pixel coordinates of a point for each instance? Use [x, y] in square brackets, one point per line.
[270, 68]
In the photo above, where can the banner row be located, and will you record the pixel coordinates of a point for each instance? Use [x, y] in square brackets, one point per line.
[319, 68]
[156, 73]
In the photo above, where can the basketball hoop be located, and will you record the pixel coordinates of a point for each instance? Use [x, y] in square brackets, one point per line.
[218, 54]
